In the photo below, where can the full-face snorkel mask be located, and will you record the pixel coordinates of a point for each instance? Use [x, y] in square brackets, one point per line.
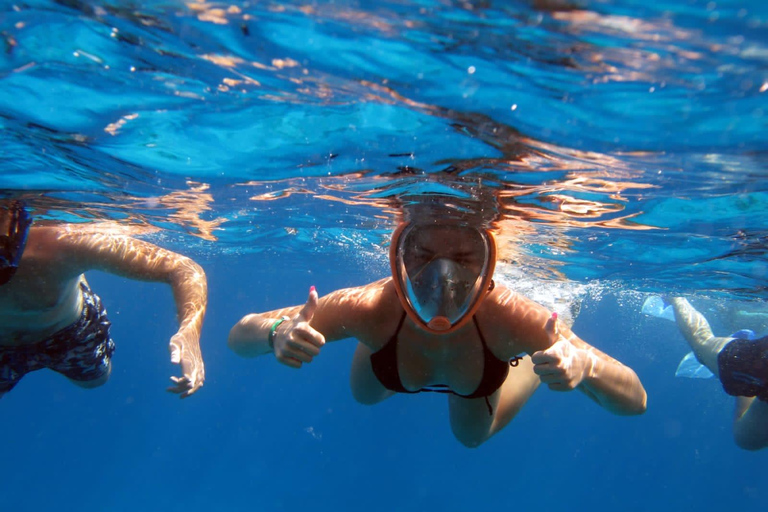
[12, 244]
[442, 281]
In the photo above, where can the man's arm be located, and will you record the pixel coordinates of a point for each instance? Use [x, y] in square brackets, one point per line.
[135, 259]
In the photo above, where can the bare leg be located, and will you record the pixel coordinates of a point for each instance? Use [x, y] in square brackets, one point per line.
[366, 388]
[695, 328]
[470, 420]
[750, 425]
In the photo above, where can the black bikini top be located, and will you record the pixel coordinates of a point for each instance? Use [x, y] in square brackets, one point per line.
[384, 364]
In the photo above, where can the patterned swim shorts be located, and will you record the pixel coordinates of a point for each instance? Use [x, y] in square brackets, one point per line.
[81, 351]
[743, 367]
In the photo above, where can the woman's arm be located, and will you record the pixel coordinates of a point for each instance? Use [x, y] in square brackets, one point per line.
[571, 363]
[287, 331]
[564, 361]
[300, 331]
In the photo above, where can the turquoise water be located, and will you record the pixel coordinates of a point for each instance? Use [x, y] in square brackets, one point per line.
[265, 140]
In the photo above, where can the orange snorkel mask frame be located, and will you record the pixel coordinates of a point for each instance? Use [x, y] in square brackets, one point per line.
[441, 325]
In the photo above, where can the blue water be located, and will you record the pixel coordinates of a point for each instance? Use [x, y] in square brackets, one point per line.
[264, 139]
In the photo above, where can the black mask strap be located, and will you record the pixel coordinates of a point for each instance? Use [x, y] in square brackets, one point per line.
[12, 244]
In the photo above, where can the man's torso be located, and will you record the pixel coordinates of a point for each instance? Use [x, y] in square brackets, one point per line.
[41, 298]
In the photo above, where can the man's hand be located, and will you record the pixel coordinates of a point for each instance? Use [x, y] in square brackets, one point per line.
[186, 352]
[296, 342]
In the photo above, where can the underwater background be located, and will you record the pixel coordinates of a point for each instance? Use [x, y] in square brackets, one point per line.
[265, 140]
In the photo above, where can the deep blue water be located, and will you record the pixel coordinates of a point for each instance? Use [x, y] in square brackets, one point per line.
[264, 139]
[263, 437]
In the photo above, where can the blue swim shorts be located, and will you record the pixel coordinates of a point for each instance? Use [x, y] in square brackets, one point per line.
[743, 367]
[81, 351]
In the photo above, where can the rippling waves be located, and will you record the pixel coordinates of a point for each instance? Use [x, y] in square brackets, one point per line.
[624, 142]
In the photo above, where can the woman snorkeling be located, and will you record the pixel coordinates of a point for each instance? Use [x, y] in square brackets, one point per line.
[440, 324]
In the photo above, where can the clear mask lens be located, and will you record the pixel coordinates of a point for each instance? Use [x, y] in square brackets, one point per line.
[441, 288]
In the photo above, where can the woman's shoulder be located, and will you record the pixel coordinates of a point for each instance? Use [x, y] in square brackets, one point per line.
[510, 314]
[363, 302]
[512, 319]
[367, 295]
[509, 302]
[363, 310]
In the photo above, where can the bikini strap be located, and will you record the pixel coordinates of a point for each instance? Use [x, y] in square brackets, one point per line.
[480, 333]
[399, 326]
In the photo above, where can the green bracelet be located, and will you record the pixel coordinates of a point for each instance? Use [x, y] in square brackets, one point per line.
[273, 330]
